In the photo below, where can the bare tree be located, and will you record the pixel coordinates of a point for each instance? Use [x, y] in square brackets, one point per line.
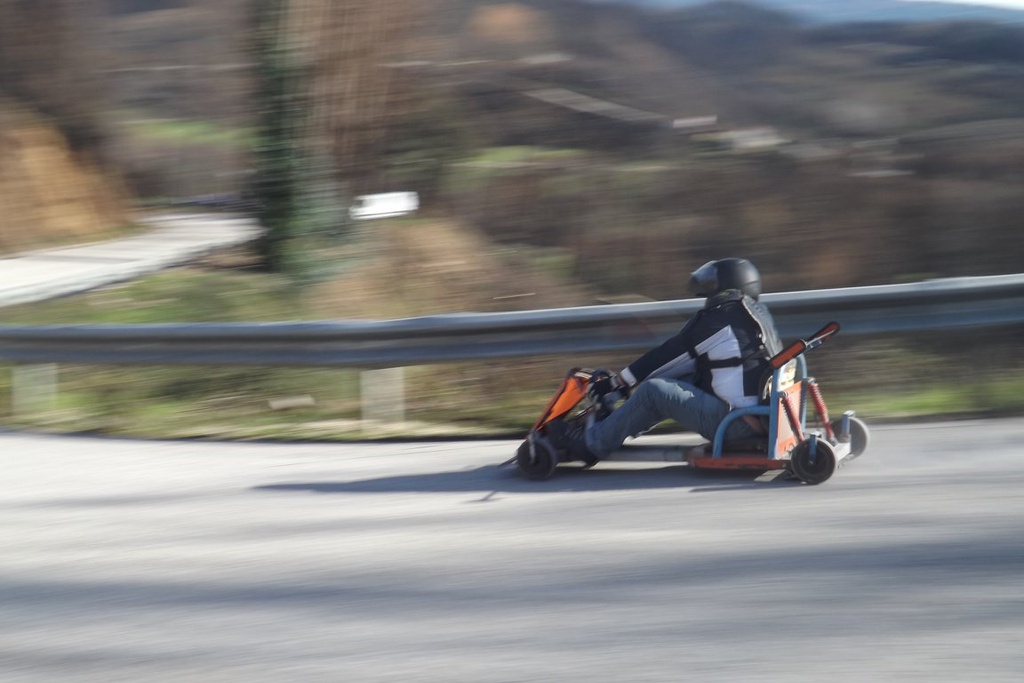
[47, 62]
[328, 99]
[355, 93]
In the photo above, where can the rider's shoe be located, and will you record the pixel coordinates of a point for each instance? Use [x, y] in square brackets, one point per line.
[570, 438]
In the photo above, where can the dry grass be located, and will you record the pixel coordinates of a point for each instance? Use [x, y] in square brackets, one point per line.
[47, 194]
[429, 266]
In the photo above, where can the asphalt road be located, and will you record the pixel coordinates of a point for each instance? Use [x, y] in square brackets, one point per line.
[130, 560]
[169, 240]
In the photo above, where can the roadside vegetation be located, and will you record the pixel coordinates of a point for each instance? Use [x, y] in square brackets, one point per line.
[926, 375]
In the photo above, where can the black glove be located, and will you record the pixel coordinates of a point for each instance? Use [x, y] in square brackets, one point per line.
[604, 383]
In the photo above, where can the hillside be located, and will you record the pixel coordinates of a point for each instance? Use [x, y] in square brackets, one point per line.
[830, 11]
[753, 66]
[49, 194]
[821, 163]
[630, 142]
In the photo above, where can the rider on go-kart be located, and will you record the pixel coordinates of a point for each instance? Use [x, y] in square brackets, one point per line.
[718, 361]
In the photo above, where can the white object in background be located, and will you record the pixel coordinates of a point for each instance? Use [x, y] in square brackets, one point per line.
[384, 205]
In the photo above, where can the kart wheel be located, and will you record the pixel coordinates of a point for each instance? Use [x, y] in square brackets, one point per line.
[813, 470]
[541, 463]
[860, 437]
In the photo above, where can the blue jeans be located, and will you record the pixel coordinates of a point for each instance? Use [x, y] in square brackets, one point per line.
[656, 400]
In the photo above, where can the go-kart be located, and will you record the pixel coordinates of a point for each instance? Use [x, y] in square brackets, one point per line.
[809, 452]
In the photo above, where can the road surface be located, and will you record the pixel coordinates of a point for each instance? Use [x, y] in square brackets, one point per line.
[170, 240]
[127, 560]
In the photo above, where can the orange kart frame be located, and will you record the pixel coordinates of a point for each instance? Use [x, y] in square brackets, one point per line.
[812, 455]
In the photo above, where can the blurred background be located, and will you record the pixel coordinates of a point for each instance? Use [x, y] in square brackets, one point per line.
[563, 153]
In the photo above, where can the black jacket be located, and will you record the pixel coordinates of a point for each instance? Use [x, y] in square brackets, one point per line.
[723, 349]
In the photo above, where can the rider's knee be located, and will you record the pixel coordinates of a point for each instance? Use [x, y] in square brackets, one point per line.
[649, 392]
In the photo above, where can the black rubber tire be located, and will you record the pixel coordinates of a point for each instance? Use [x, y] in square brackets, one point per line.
[818, 471]
[541, 465]
[860, 436]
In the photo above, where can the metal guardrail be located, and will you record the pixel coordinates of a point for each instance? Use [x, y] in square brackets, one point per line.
[937, 304]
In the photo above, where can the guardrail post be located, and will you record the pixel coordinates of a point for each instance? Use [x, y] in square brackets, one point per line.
[33, 388]
[383, 397]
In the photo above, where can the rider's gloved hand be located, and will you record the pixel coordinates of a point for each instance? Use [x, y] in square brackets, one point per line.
[604, 384]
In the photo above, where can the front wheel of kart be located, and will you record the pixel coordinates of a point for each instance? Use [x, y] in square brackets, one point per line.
[860, 437]
[539, 462]
[816, 468]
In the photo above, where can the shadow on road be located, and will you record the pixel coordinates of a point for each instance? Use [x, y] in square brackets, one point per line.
[498, 479]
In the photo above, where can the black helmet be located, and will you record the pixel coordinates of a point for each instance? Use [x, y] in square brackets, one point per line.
[727, 273]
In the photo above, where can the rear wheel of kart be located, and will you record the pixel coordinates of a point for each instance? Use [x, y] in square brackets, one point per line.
[860, 437]
[813, 469]
[540, 463]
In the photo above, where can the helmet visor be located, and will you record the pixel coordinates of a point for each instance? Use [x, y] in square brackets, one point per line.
[704, 280]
